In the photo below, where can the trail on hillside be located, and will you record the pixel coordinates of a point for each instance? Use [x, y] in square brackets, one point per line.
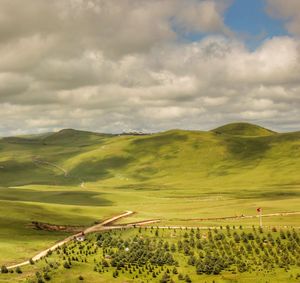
[38, 161]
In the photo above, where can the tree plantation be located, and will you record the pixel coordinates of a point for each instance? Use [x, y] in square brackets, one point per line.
[175, 255]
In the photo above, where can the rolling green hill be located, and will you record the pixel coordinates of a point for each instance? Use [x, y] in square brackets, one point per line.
[76, 177]
[232, 154]
[244, 129]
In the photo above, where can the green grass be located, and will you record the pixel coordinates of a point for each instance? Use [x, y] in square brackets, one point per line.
[176, 176]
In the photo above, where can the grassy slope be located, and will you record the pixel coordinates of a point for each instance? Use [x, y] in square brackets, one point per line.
[199, 174]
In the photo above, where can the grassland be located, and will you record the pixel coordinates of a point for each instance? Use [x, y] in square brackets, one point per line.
[176, 176]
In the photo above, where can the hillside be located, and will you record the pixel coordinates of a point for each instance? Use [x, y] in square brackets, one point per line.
[234, 153]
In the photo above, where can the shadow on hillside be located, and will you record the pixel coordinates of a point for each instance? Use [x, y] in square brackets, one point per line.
[154, 143]
[270, 195]
[100, 169]
[150, 147]
[247, 148]
[262, 193]
[84, 198]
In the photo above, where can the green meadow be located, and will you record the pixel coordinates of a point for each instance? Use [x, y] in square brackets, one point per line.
[181, 177]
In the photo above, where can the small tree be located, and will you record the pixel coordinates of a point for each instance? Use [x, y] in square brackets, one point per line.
[173, 248]
[18, 270]
[67, 265]
[187, 279]
[105, 263]
[165, 279]
[115, 274]
[4, 269]
[47, 276]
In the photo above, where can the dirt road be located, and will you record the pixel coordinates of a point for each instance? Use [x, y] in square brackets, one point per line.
[240, 216]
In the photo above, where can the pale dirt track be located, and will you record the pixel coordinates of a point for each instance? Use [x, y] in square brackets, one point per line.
[242, 216]
[39, 162]
[42, 162]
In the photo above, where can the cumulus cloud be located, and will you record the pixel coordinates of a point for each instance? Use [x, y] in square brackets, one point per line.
[118, 65]
[287, 10]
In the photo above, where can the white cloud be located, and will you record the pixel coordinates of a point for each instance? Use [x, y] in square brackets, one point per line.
[114, 65]
[287, 10]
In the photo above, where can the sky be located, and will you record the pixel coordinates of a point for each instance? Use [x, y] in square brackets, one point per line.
[138, 65]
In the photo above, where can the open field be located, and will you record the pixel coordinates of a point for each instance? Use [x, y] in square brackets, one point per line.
[176, 176]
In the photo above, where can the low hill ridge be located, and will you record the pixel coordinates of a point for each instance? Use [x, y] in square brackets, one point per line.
[243, 129]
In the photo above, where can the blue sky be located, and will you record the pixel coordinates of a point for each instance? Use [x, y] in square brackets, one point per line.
[250, 22]
[250, 19]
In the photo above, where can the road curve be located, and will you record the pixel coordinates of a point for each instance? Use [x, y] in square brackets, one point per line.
[94, 228]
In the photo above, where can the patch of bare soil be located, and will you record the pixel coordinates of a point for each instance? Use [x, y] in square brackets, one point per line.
[54, 227]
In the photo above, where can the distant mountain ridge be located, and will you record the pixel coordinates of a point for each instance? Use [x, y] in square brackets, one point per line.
[238, 129]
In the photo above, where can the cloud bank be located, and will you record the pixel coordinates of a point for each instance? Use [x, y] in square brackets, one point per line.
[113, 66]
